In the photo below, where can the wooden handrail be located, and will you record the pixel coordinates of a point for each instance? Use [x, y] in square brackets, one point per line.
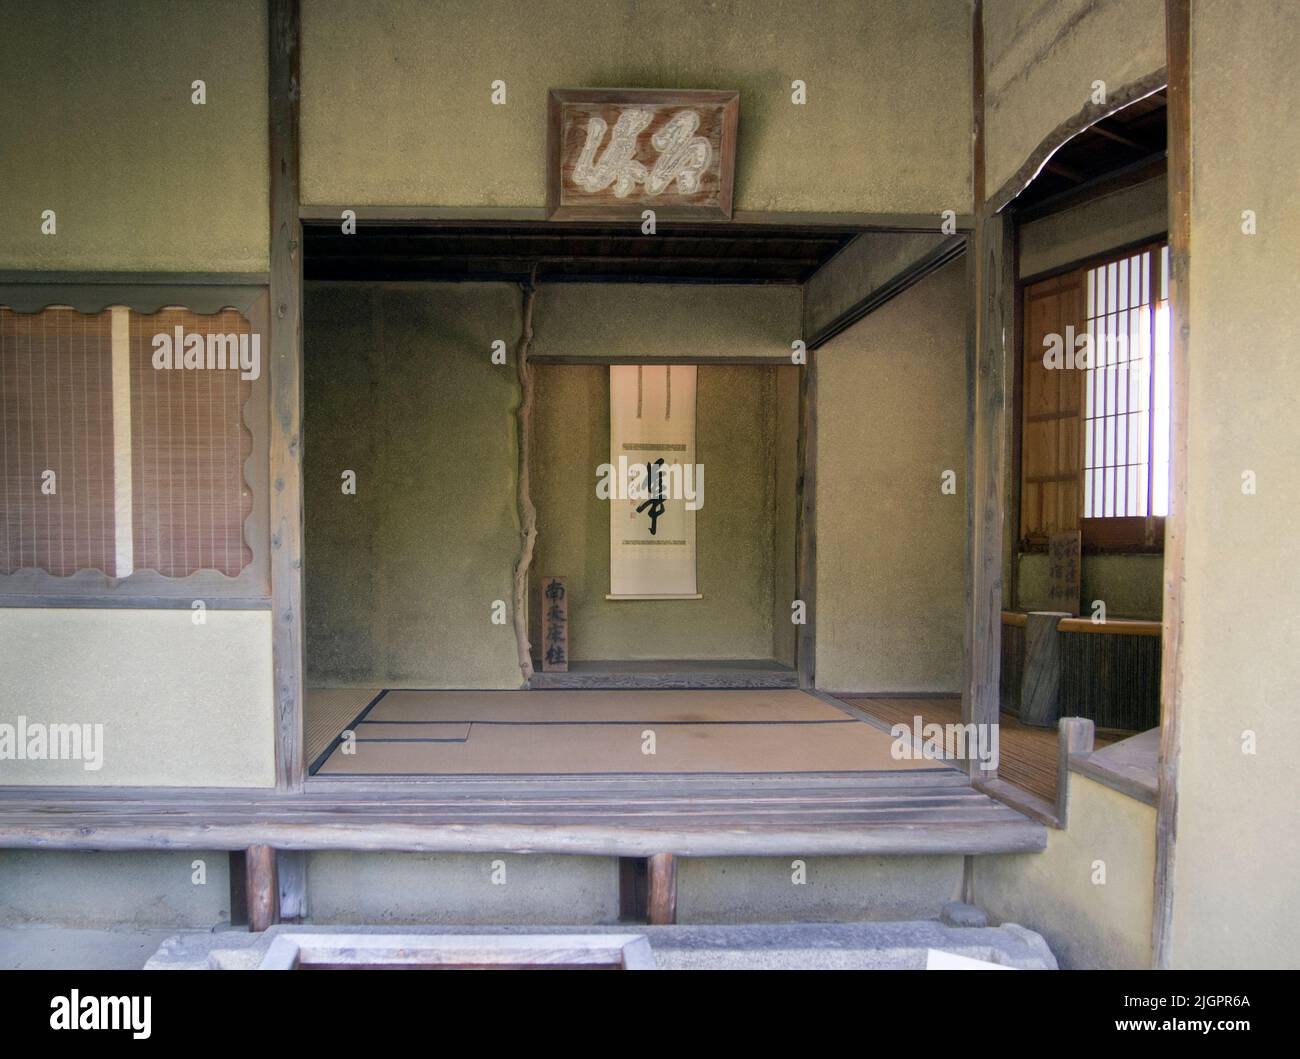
[1121, 627]
[1118, 627]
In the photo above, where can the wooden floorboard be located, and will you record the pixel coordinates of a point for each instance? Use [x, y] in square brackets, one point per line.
[1027, 754]
[847, 815]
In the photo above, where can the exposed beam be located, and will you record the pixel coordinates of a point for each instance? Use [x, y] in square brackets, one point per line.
[1089, 115]
[1139, 172]
[514, 217]
[1065, 172]
[1102, 128]
[871, 270]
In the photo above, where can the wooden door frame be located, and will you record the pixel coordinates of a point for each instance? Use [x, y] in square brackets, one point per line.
[983, 665]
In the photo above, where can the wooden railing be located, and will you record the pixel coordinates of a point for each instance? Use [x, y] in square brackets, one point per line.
[1106, 671]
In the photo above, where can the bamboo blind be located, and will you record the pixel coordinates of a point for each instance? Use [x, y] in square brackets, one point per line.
[188, 447]
[56, 415]
[180, 445]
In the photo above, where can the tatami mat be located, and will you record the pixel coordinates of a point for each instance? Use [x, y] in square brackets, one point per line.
[327, 712]
[631, 706]
[605, 733]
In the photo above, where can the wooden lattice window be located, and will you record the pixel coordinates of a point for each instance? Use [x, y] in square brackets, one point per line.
[1095, 392]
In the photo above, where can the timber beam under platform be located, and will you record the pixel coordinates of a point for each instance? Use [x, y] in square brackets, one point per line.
[920, 812]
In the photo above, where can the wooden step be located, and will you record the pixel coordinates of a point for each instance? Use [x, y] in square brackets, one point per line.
[935, 812]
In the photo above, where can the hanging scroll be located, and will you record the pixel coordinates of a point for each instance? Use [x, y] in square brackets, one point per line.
[654, 486]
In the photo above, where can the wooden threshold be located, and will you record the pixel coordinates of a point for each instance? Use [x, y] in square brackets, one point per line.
[923, 812]
[714, 674]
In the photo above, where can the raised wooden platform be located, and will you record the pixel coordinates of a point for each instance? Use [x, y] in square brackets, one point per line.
[921, 812]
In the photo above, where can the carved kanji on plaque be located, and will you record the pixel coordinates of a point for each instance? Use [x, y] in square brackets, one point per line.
[555, 625]
[611, 153]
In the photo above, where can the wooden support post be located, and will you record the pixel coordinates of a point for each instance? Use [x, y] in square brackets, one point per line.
[1075, 735]
[1178, 41]
[806, 526]
[286, 394]
[262, 887]
[987, 360]
[663, 889]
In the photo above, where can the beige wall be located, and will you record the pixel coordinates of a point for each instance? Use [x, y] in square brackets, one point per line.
[1041, 58]
[654, 320]
[401, 578]
[96, 124]
[744, 439]
[182, 705]
[1087, 923]
[1131, 586]
[891, 418]
[1119, 219]
[1237, 856]
[396, 101]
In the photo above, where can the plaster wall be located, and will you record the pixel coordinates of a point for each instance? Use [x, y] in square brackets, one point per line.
[97, 124]
[1236, 858]
[401, 577]
[1119, 219]
[1090, 893]
[660, 320]
[397, 96]
[891, 419]
[1042, 59]
[182, 705]
[744, 439]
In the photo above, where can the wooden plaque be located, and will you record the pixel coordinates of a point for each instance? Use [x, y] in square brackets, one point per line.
[613, 153]
[555, 625]
[1064, 571]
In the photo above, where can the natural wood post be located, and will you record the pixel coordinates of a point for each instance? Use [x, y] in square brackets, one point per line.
[523, 482]
[1075, 736]
[663, 889]
[286, 394]
[987, 360]
[1040, 682]
[263, 888]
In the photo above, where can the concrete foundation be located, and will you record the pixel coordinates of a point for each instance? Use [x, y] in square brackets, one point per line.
[874, 946]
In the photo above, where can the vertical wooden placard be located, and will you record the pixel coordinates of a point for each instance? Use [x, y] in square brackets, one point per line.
[555, 625]
[1064, 572]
